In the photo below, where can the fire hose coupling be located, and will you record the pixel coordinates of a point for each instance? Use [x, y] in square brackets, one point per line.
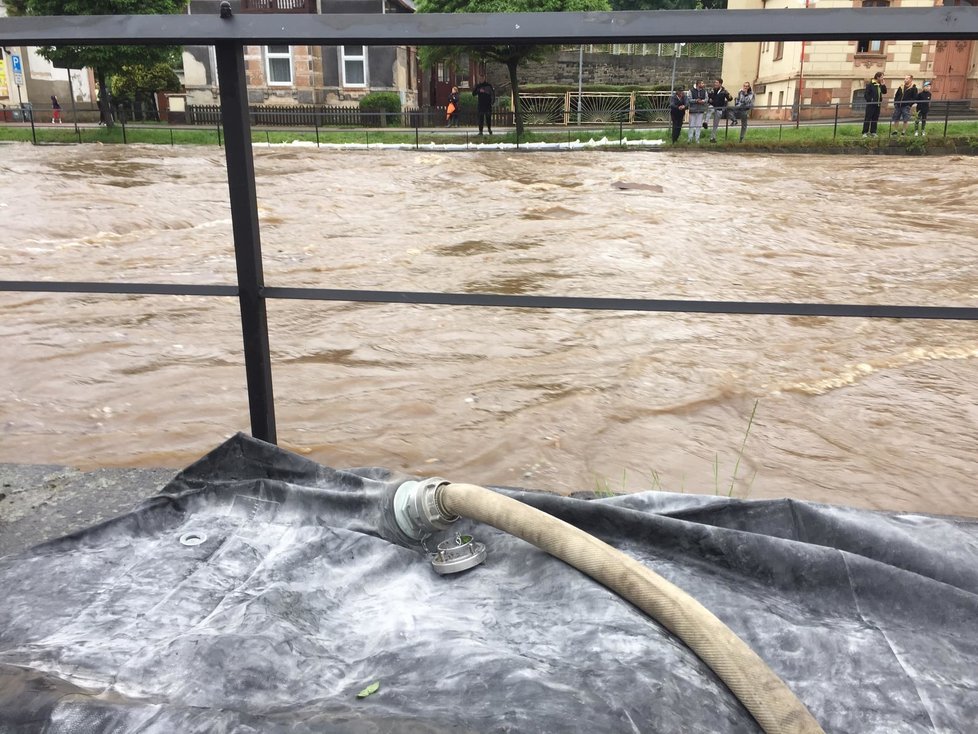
[417, 509]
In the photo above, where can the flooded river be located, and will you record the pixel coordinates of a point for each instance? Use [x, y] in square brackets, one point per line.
[871, 413]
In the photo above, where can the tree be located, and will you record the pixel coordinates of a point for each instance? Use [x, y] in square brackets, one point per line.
[136, 84]
[510, 55]
[16, 7]
[106, 60]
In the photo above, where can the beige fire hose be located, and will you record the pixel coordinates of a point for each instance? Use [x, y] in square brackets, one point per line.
[759, 689]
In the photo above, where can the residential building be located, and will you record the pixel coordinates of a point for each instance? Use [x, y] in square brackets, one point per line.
[823, 74]
[305, 75]
[39, 79]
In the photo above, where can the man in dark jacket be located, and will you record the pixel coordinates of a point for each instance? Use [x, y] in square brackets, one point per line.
[873, 94]
[487, 96]
[719, 98]
[903, 99]
[923, 107]
[678, 104]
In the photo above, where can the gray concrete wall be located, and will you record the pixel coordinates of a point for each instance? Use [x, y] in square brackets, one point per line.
[639, 72]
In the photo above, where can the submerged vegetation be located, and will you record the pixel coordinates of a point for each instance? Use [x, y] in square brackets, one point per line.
[604, 487]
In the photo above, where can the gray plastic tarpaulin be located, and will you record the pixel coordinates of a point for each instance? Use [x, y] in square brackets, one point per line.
[260, 592]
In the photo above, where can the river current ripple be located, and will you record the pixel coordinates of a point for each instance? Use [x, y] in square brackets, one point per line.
[871, 413]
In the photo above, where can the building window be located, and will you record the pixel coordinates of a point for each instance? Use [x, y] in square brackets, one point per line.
[778, 50]
[869, 45]
[866, 46]
[353, 62]
[462, 75]
[279, 61]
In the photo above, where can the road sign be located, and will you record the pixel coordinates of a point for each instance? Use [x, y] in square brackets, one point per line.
[18, 69]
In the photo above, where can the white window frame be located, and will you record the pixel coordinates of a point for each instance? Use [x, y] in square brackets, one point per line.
[362, 58]
[269, 55]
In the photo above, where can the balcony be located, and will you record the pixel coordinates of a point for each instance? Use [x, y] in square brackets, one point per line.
[278, 6]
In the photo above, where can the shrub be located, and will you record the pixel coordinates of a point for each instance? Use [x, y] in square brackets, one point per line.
[385, 102]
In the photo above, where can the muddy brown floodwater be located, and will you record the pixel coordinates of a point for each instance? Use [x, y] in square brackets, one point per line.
[870, 413]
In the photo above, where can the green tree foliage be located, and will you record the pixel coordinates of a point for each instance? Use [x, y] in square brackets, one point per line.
[138, 83]
[16, 7]
[511, 55]
[106, 61]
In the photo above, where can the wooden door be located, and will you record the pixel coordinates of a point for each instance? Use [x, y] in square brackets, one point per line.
[951, 64]
[442, 83]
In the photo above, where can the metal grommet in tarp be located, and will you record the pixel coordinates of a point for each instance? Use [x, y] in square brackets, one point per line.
[192, 538]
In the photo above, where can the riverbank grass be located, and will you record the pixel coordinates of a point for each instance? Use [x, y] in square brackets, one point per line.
[962, 135]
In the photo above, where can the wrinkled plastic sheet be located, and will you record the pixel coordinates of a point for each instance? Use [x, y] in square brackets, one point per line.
[291, 593]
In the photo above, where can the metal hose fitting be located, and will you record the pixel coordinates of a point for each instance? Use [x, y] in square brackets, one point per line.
[418, 510]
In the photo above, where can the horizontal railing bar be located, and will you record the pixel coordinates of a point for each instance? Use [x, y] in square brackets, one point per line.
[501, 300]
[934, 23]
[137, 289]
[950, 313]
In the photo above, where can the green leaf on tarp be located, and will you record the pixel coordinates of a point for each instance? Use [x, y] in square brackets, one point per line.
[372, 688]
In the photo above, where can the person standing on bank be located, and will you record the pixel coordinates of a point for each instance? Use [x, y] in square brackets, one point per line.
[678, 104]
[487, 97]
[923, 107]
[873, 94]
[719, 98]
[742, 107]
[697, 107]
[903, 100]
[55, 110]
[451, 112]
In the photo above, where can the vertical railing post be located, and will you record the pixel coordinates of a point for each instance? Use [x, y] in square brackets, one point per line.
[30, 111]
[247, 240]
[835, 125]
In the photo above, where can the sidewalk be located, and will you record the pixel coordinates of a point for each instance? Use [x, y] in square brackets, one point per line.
[39, 502]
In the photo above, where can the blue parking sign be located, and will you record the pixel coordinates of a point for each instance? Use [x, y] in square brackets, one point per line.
[15, 64]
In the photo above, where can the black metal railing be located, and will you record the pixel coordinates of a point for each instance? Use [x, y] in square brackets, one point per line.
[946, 119]
[230, 38]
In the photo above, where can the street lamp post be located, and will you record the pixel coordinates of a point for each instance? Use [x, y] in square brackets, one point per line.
[580, 80]
[801, 73]
[676, 50]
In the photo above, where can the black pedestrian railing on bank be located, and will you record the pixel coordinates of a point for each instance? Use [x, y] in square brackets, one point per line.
[234, 130]
[634, 108]
[424, 126]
